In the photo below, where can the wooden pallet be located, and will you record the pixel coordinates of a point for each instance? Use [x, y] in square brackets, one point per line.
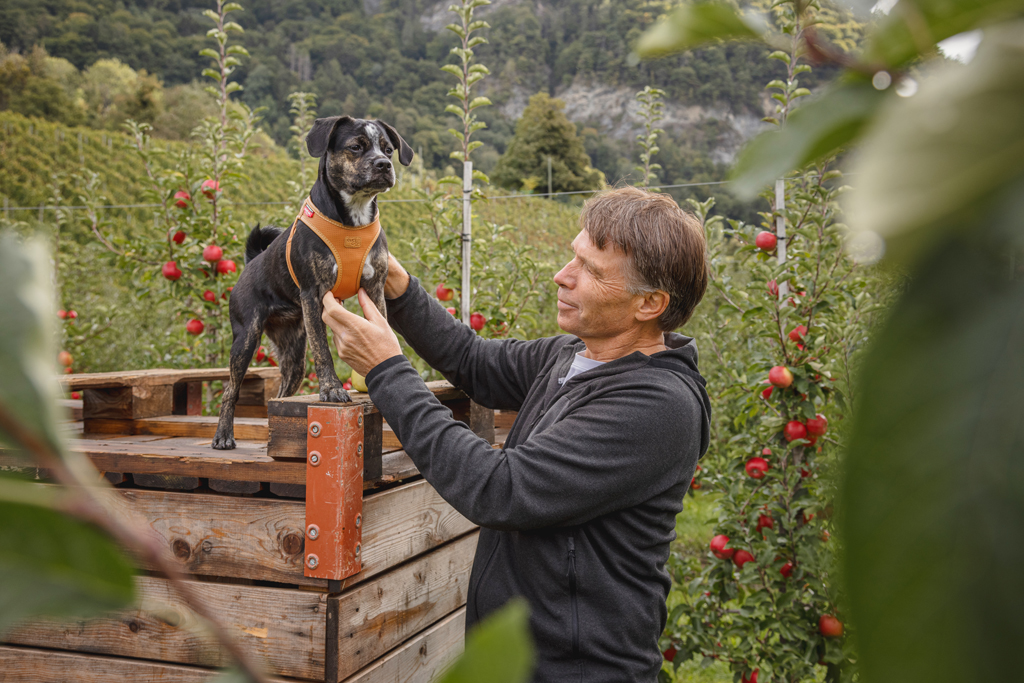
[384, 598]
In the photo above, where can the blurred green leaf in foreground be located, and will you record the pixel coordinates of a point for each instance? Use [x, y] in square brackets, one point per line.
[498, 650]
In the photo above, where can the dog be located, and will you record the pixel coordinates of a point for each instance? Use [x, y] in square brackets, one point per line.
[287, 272]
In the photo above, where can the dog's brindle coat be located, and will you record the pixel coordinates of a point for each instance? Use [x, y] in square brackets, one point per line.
[355, 166]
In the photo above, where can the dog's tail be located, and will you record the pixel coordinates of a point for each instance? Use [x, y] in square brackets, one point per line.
[259, 240]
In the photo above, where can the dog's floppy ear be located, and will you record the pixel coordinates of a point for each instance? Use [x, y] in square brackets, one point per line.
[404, 150]
[320, 135]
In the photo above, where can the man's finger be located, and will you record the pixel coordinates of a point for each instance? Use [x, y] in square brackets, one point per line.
[370, 311]
[335, 311]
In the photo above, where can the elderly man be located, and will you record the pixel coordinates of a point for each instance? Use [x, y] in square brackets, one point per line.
[578, 509]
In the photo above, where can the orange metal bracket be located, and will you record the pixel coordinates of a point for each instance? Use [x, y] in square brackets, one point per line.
[334, 491]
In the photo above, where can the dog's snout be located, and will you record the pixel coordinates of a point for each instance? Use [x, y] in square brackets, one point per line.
[382, 164]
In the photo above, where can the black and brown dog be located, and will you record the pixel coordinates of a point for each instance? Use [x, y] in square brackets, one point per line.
[287, 272]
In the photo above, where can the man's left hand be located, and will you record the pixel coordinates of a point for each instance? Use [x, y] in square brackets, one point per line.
[363, 343]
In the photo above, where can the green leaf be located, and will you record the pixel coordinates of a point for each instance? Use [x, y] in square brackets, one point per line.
[209, 52]
[28, 391]
[816, 129]
[694, 25]
[237, 50]
[498, 650]
[913, 28]
[232, 7]
[930, 159]
[933, 488]
[53, 565]
[453, 69]
[479, 102]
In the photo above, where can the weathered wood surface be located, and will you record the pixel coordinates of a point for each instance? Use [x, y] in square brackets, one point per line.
[295, 406]
[128, 403]
[262, 538]
[29, 665]
[284, 628]
[378, 615]
[135, 378]
[422, 658]
[197, 426]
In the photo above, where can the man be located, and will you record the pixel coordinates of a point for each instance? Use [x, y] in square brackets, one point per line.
[578, 509]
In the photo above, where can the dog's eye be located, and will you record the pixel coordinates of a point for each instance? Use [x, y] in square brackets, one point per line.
[388, 151]
[354, 148]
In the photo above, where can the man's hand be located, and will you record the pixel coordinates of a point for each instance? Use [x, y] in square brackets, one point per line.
[398, 279]
[363, 343]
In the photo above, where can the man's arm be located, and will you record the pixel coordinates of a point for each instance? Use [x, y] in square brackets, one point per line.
[496, 374]
[620, 448]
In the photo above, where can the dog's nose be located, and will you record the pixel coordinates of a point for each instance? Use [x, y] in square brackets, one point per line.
[382, 164]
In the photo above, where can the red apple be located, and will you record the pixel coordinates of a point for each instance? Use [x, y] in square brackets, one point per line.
[62, 314]
[794, 430]
[780, 376]
[181, 199]
[718, 548]
[443, 293]
[477, 321]
[312, 377]
[766, 451]
[767, 393]
[765, 522]
[261, 353]
[210, 188]
[694, 484]
[227, 293]
[65, 359]
[797, 333]
[72, 314]
[76, 396]
[829, 626]
[178, 237]
[670, 653]
[450, 310]
[765, 241]
[212, 253]
[817, 425]
[804, 473]
[347, 386]
[171, 271]
[210, 296]
[741, 558]
[756, 467]
[68, 371]
[753, 677]
[773, 287]
[273, 363]
[195, 326]
[787, 569]
[226, 266]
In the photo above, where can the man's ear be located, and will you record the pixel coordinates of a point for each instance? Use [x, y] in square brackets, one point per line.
[404, 150]
[653, 305]
[320, 135]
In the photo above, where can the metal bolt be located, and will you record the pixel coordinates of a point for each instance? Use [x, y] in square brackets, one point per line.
[314, 458]
[312, 561]
[358, 549]
[313, 532]
[359, 448]
[359, 521]
[315, 428]
[359, 421]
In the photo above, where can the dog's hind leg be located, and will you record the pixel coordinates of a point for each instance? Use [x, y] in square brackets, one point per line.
[331, 390]
[290, 342]
[247, 338]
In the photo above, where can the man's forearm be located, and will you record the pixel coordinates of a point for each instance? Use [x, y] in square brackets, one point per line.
[398, 279]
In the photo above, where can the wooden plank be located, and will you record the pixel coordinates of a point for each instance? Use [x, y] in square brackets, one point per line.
[258, 391]
[422, 658]
[295, 406]
[378, 615]
[132, 378]
[128, 403]
[288, 440]
[198, 426]
[262, 538]
[284, 628]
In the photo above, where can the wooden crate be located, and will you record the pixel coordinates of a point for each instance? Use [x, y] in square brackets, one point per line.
[390, 608]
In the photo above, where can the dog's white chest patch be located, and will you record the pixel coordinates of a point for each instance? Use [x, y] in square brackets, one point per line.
[334, 270]
[368, 271]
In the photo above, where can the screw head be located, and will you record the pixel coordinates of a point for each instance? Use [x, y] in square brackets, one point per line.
[359, 521]
[314, 458]
[358, 549]
[313, 531]
[359, 448]
[359, 421]
[314, 429]
[312, 561]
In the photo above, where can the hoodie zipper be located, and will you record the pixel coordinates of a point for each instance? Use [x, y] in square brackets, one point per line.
[572, 598]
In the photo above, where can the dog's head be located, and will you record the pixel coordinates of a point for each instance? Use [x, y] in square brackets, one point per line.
[355, 154]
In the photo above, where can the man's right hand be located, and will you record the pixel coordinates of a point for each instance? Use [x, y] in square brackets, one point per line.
[398, 279]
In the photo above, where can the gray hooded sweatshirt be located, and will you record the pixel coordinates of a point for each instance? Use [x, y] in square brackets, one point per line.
[577, 511]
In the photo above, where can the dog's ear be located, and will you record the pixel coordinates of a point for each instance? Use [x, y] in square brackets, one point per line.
[404, 150]
[320, 135]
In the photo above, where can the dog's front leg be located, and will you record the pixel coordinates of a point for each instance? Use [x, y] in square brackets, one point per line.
[312, 314]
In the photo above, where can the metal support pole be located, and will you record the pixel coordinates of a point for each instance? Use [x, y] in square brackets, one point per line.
[549, 176]
[780, 230]
[467, 235]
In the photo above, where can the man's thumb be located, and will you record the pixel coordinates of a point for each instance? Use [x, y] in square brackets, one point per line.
[370, 311]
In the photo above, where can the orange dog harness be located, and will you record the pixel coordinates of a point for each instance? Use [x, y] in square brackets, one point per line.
[350, 245]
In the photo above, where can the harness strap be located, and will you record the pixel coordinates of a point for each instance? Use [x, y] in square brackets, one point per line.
[349, 245]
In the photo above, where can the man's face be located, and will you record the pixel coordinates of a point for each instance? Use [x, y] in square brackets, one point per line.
[592, 299]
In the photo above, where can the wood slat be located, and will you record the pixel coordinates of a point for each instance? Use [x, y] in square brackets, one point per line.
[30, 665]
[422, 658]
[262, 538]
[284, 628]
[295, 406]
[133, 378]
[378, 615]
[196, 426]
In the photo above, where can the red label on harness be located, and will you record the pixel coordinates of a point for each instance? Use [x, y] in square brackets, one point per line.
[306, 210]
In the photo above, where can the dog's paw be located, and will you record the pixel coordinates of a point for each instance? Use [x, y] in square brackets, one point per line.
[223, 443]
[334, 395]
